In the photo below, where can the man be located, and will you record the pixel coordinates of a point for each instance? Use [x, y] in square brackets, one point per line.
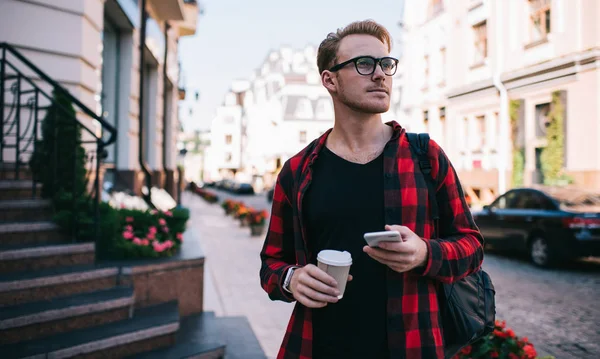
[360, 177]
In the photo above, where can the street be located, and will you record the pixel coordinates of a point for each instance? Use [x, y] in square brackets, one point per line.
[556, 309]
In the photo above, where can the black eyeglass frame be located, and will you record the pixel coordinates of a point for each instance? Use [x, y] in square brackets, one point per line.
[375, 63]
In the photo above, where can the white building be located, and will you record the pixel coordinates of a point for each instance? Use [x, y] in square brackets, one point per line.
[266, 121]
[469, 62]
[283, 108]
[92, 48]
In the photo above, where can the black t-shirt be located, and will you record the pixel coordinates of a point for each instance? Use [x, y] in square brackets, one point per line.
[343, 201]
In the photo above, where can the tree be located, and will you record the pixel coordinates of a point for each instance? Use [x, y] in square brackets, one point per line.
[58, 160]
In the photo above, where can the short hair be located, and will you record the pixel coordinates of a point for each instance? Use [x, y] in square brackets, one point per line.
[327, 54]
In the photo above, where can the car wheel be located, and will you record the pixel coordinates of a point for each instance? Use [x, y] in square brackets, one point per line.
[540, 252]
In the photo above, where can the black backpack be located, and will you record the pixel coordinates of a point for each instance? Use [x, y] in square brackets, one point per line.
[467, 306]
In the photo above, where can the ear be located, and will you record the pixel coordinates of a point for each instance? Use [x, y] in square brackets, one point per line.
[329, 80]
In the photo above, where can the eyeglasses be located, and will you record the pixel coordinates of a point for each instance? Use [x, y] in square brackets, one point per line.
[365, 65]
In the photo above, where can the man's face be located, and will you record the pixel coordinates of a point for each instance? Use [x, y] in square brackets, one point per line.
[363, 93]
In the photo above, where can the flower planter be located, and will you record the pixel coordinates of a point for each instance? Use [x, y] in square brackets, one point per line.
[244, 222]
[257, 229]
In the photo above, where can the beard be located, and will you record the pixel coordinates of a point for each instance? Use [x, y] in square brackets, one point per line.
[360, 103]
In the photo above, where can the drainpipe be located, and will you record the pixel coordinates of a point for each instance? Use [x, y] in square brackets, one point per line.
[503, 115]
[143, 166]
[165, 94]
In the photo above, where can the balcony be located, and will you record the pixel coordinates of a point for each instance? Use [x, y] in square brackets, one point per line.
[168, 10]
[187, 27]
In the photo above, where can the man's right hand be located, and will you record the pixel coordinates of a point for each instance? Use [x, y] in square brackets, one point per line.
[313, 287]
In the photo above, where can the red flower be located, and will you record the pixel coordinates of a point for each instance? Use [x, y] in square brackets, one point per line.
[530, 351]
[525, 340]
[510, 333]
[513, 356]
[466, 350]
[494, 354]
[128, 219]
[499, 333]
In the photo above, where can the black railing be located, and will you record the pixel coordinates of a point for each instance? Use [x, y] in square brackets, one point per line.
[37, 114]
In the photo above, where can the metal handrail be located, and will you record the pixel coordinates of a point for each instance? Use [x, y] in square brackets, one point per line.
[105, 125]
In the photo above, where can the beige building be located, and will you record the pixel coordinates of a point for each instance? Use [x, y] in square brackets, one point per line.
[92, 48]
[491, 78]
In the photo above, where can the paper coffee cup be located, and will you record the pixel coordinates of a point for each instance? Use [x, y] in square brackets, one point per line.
[336, 264]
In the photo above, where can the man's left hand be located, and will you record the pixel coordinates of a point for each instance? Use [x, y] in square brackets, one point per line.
[402, 256]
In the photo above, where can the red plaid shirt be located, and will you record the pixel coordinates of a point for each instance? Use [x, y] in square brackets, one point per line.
[414, 324]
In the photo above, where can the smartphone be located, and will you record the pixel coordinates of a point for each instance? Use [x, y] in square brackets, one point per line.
[373, 238]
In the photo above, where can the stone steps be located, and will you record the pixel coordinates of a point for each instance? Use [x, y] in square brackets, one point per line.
[18, 258]
[149, 329]
[40, 319]
[28, 287]
[25, 233]
[25, 210]
[19, 189]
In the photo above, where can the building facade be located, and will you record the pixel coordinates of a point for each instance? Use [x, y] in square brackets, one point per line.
[272, 116]
[92, 48]
[503, 84]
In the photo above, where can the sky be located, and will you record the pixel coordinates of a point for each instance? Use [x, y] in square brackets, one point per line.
[234, 37]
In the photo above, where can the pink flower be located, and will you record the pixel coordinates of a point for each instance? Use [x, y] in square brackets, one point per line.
[169, 243]
[137, 241]
[145, 242]
[162, 222]
[168, 214]
[153, 212]
[151, 236]
[152, 229]
[165, 229]
[128, 219]
[129, 228]
[127, 235]
[158, 247]
[179, 236]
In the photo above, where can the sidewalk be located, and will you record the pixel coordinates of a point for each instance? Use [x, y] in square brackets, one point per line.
[231, 278]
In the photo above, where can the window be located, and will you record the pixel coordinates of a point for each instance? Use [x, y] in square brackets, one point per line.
[505, 202]
[228, 139]
[426, 70]
[304, 109]
[480, 35]
[443, 122]
[228, 157]
[435, 8]
[302, 136]
[481, 131]
[442, 66]
[532, 200]
[539, 21]
[541, 119]
[324, 109]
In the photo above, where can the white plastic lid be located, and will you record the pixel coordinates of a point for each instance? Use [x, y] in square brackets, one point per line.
[335, 258]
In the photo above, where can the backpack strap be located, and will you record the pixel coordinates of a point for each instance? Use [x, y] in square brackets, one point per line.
[419, 144]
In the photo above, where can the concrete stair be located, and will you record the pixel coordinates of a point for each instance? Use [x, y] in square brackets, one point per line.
[57, 302]
[39, 319]
[149, 329]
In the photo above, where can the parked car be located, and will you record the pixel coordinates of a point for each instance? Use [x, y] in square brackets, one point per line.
[551, 224]
[243, 188]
